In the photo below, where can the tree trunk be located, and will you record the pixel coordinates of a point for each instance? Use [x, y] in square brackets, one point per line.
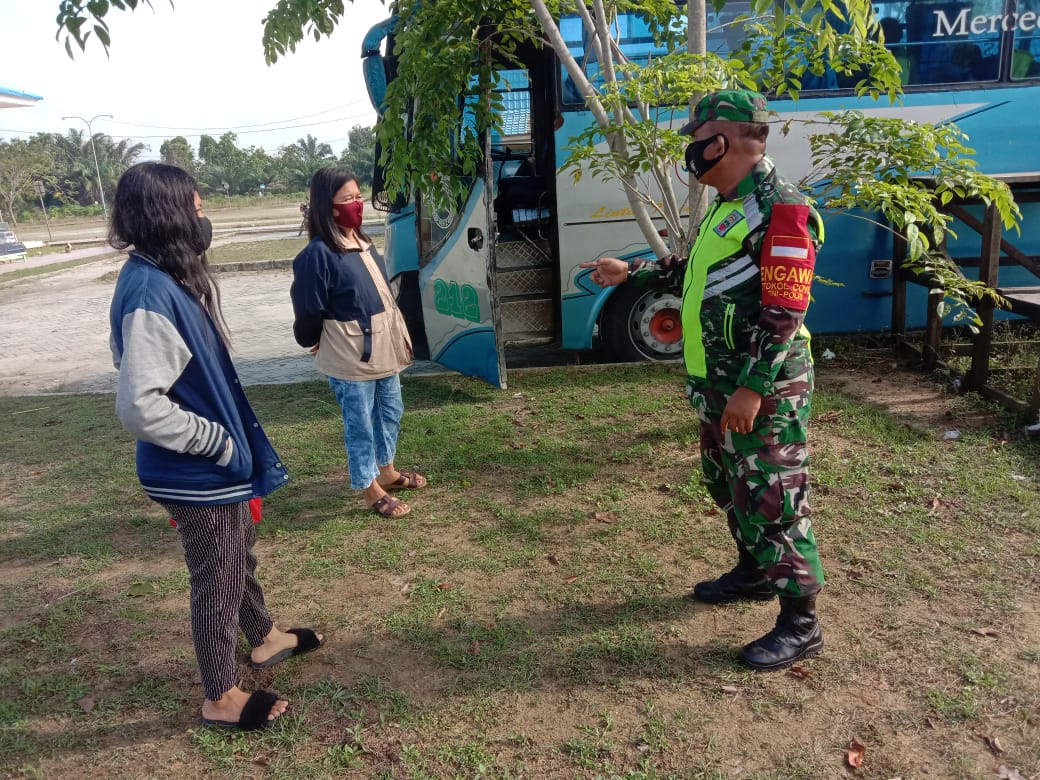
[696, 43]
[10, 208]
[629, 183]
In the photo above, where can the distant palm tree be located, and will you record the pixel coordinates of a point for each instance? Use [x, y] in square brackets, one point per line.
[114, 157]
[78, 175]
[75, 170]
[303, 158]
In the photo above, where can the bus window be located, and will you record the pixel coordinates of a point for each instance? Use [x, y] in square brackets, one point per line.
[952, 42]
[633, 36]
[892, 31]
[573, 32]
[513, 140]
[1025, 56]
[436, 222]
[726, 32]
[735, 33]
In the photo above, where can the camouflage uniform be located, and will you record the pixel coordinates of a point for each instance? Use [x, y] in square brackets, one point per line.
[736, 334]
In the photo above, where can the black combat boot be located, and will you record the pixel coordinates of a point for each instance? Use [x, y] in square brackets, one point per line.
[746, 581]
[796, 635]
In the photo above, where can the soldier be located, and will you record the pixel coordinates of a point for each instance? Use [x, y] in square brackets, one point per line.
[745, 289]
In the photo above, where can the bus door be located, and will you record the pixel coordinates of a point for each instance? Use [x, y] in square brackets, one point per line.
[457, 281]
[523, 162]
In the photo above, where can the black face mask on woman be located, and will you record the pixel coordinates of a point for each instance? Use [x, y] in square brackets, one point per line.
[207, 233]
[696, 163]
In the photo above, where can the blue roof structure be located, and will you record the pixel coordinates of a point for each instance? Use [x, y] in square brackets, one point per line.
[516, 113]
[12, 98]
[515, 91]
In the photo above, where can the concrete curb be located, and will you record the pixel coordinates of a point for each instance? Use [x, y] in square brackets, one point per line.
[246, 265]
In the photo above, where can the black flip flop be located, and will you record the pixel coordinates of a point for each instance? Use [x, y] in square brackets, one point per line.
[254, 714]
[307, 641]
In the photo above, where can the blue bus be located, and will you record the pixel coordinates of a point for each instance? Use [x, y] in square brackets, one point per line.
[501, 268]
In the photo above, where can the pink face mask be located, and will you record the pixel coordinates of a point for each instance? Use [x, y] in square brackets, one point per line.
[348, 215]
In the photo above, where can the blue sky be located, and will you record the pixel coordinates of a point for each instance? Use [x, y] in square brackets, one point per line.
[197, 68]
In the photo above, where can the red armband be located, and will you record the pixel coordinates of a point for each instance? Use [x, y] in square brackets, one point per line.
[788, 257]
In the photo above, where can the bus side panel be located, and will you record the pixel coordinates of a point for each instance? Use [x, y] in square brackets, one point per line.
[844, 297]
[1000, 127]
[584, 300]
[581, 300]
[595, 219]
[580, 310]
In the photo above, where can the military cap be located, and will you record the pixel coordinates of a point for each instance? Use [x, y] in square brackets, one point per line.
[728, 105]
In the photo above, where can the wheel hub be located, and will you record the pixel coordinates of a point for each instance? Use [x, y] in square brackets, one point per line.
[660, 326]
[665, 326]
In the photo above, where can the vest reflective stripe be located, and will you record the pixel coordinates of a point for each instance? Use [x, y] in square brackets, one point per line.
[727, 325]
[733, 275]
[709, 250]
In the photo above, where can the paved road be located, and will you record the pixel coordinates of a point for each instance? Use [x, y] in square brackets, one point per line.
[54, 326]
[54, 330]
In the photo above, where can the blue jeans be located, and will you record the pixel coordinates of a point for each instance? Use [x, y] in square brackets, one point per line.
[372, 412]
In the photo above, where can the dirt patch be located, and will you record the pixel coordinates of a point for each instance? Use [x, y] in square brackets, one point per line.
[921, 400]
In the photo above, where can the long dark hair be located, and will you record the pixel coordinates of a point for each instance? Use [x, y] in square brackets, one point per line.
[154, 212]
[321, 219]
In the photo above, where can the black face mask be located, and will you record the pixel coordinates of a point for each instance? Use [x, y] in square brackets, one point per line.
[695, 161]
[207, 233]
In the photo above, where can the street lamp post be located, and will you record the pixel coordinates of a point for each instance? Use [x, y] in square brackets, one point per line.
[97, 167]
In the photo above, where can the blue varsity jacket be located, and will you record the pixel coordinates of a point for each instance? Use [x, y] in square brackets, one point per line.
[180, 395]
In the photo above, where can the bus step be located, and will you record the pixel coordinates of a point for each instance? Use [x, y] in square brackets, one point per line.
[526, 315]
[518, 254]
[524, 281]
[528, 339]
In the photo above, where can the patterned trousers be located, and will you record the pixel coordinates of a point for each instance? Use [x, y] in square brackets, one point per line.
[225, 596]
[761, 481]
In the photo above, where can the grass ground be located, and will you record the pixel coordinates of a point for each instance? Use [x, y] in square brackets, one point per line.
[26, 273]
[265, 250]
[527, 619]
[221, 210]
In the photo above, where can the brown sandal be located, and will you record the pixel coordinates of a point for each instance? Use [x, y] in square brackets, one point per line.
[390, 507]
[408, 480]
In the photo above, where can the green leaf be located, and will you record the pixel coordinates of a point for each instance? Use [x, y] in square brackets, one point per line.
[140, 589]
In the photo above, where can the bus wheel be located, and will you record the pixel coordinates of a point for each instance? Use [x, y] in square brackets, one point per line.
[642, 324]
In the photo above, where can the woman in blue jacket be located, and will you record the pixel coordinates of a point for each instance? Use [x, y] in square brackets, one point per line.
[347, 315]
[201, 452]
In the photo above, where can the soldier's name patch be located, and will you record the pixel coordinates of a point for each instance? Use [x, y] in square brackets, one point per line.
[727, 224]
[787, 272]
